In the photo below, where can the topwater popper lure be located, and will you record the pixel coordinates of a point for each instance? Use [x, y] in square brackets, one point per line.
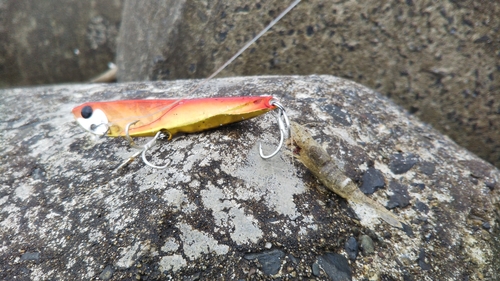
[154, 117]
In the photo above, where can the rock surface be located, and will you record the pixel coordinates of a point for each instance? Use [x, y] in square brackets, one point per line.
[439, 59]
[45, 42]
[220, 211]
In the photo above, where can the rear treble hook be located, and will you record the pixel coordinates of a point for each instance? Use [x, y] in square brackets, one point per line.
[284, 127]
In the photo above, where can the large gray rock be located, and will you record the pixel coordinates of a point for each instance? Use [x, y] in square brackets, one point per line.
[439, 59]
[45, 42]
[220, 211]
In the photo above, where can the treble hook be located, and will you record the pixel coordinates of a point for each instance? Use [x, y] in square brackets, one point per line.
[147, 146]
[143, 150]
[127, 135]
[284, 126]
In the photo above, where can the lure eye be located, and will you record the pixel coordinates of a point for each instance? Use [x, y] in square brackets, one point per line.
[86, 111]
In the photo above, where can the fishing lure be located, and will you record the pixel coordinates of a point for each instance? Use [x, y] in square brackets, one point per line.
[155, 117]
[319, 162]
[145, 118]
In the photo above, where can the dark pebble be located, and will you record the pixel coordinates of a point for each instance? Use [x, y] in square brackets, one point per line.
[400, 164]
[107, 273]
[421, 260]
[490, 185]
[420, 186]
[427, 168]
[486, 225]
[351, 248]
[372, 180]
[315, 269]
[270, 260]
[407, 277]
[335, 266]
[293, 259]
[422, 207]
[400, 196]
[408, 230]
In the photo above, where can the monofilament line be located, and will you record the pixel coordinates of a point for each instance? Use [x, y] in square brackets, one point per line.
[271, 24]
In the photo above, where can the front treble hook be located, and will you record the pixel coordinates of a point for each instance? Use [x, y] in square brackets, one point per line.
[284, 127]
[143, 148]
[147, 146]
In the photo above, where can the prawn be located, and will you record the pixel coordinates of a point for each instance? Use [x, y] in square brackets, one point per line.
[319, 162]
[155, 117]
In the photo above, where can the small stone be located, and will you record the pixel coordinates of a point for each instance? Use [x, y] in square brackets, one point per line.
[372, 180]
[270, 260]
[268, 245]
[107, 273]
[422, 207]
[400, 196]
[486, 225]
[366, 245]
[400, 164]
[335, 266]
[427, 168]
[490, 185]
[293, 259]
[421, 260]
[408, 230]
[420, 186]
[315, 269]
[351, 248]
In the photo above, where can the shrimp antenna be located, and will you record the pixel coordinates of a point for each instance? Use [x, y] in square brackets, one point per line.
[271, 24]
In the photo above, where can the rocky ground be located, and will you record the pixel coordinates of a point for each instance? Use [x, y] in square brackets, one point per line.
[219, 211]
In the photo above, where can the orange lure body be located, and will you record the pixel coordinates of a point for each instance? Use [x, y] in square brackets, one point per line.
[171, 115]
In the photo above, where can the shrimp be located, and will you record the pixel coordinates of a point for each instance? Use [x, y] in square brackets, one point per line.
[317, 160]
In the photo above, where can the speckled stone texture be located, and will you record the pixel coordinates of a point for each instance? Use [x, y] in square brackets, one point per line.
[47, 42]
[220, 211]
[438, 59]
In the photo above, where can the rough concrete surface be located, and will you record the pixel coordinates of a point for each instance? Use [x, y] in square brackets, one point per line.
[438, 59]
[45, 42]
[219, 211]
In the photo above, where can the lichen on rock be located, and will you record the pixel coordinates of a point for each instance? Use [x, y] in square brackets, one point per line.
[64, 213]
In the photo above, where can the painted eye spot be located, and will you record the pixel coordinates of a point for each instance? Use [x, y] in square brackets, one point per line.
[86, 111]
